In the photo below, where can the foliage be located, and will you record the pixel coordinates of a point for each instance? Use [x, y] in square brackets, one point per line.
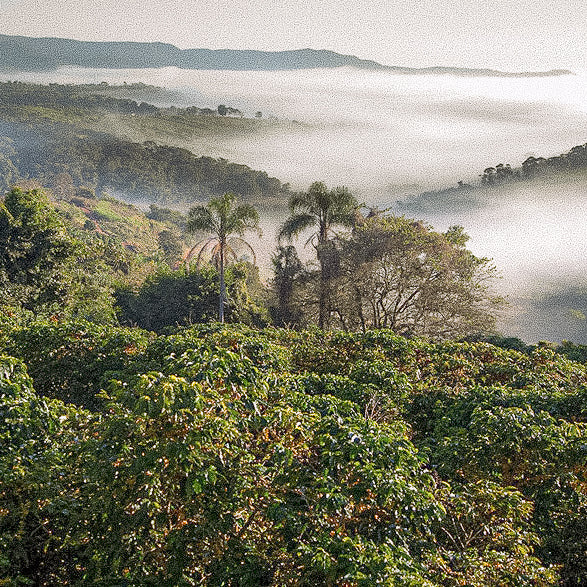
[34, 250]
[222, 455]
[484, 539]
[213, 476]
[399, 274]
[321, 210]
[36, 508]
[533, 169]
[69, 360]
[180, 298]
[287, 268]
[48, 265]
[47, 131]
[390, 272]
[223, 219]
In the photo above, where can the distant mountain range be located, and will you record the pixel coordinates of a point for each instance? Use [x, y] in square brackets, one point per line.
[45, 54]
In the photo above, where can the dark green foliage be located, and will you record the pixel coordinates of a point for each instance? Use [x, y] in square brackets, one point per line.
[171, 247]
[37, 507]
[44, 267]
[223, 455]
[179, 298]
[287, 268]
[69, 361]
[49, 131]
[320, 211]
[34, 250]
[575, 352]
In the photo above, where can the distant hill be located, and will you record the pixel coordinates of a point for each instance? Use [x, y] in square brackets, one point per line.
[19, 53]
[60, 133]
[570, 166]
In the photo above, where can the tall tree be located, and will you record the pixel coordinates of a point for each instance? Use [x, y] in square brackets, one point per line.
[398, 273]
[34, 250]
[287, 267]
[224, 219]
[321, 210]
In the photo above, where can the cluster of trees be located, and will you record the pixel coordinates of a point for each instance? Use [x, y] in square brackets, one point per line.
[140, 172]
[95, 98]
[382, 272]
[221, 455]
[387, 272]
[573, 161]
[47, 269]
[19, 94]
[470, 195]
[48, 131]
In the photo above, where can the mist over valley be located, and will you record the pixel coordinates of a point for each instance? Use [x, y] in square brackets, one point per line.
[390, 137]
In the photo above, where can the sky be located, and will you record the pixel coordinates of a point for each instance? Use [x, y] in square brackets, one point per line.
[513, 35]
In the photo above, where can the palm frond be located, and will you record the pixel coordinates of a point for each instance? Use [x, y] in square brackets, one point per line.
[296, 224]
[244, 217]
[300, 201]
[200, 218]
[211, 241]
[242, 241]
[199, 246]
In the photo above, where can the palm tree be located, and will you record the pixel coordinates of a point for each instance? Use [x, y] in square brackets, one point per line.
[223, 219]
[320, 209]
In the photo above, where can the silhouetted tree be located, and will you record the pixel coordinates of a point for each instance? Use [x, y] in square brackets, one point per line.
[322, 210]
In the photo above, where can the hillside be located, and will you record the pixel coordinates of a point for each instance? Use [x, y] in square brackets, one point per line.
[41, 54]
[558, 170]
[120, 146]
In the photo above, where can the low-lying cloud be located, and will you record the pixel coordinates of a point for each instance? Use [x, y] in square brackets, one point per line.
[388, 136]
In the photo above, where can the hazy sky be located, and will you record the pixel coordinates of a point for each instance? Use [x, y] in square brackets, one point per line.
[505, 34]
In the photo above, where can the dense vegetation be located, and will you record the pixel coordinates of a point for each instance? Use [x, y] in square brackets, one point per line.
[226, 456]
[412, 279]
[47, 132]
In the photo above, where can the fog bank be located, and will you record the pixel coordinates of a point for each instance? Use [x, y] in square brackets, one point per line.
[388, 136]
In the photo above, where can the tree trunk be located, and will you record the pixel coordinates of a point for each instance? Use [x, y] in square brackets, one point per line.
[323, 309]
[222, 286]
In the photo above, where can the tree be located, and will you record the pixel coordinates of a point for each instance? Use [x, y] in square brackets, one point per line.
[287, 267]
[170, 245]
[321, 209]
[34, 250]
[173, 298]
[224, 219]
[400, 274]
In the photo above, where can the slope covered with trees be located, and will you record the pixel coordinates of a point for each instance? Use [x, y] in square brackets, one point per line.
[83, 132]
[566, 167]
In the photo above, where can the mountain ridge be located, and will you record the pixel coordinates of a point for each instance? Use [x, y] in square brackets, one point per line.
[20, 53]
